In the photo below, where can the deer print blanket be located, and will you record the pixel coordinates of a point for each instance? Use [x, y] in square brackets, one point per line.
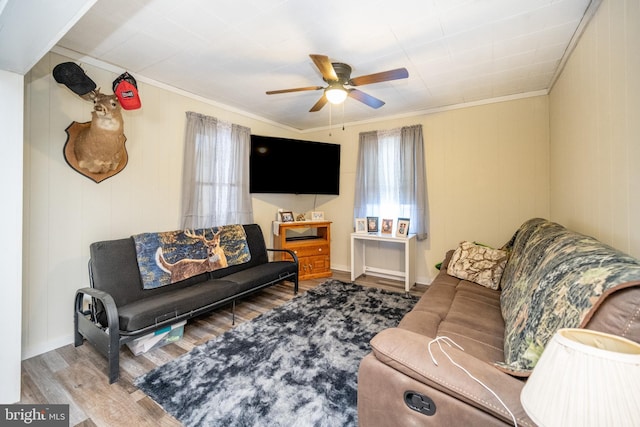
[169, 257]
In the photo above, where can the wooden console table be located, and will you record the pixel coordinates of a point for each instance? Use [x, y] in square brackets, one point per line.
[360, 267]
[311, 246]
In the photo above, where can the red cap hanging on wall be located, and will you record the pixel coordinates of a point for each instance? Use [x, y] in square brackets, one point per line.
[126, 89]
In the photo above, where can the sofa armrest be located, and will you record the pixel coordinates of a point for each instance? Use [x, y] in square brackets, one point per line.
[111, 310]
[408, 353]
[105, 339]
[289, 251]
[295, 261]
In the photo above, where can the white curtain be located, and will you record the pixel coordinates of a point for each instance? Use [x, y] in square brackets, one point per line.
[215, 185]
[391, 177]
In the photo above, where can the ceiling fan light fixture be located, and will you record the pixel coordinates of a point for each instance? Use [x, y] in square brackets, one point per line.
[336, 93]
[338, 75]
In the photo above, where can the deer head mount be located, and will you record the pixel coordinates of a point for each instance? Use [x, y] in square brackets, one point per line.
[96, 149]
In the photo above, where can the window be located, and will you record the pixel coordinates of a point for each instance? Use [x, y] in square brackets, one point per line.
[215, 189]
[390, 177]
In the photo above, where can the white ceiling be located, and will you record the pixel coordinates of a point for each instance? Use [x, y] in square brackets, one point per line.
[232, 51]
[30, 28]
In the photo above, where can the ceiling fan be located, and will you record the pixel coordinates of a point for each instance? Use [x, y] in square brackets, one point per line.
[338, 77]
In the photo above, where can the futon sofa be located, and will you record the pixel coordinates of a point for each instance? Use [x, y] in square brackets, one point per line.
[134, 292]
[501, 307]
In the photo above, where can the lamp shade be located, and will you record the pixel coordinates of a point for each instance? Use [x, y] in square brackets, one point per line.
[585, 378]
[336, 94]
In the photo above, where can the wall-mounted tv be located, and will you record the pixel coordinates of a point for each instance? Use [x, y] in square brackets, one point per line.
[292, 166]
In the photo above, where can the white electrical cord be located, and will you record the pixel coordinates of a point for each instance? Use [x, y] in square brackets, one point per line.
[449, 341]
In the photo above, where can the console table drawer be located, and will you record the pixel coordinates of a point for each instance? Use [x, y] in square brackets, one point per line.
[311, 250]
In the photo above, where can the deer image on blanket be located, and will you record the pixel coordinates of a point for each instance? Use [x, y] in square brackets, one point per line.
[99, 148]
[191, 267]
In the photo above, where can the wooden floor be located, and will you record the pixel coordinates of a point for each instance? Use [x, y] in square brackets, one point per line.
[77, 375]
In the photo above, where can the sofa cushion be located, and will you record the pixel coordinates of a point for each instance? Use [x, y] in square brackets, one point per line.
[464, 311]
[478, 263]
[421, 322]
[440, 297]
[475, 323]
[155, 308]
[262, 274]
[555, 278]
[158, 307]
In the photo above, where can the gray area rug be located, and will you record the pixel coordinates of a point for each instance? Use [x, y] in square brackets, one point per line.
[293, 366]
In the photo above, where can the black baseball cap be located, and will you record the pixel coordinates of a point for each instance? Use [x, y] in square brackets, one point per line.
[71, 75]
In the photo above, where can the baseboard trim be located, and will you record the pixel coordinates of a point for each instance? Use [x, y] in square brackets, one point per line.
[31, 351]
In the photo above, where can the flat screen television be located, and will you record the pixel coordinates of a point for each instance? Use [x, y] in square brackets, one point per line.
[292, 166]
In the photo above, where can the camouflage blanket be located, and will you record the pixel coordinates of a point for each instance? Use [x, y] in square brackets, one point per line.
[169, 257]
[555, 278]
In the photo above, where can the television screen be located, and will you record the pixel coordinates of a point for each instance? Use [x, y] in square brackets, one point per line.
[282, 165]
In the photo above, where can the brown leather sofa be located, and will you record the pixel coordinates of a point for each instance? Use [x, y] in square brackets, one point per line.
[399, 382]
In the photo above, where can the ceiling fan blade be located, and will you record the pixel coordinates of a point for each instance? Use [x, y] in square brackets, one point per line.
[325, 67]
[398, 73]
[371, 101]
[318, 105]
[297, 89]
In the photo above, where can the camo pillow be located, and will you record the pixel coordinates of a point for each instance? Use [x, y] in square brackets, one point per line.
[477, 263]
[555, 278]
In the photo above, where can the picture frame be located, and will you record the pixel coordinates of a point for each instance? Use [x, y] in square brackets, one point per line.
[361, 225]
[403, 227]
[387, 226]
[372, 224]
[317, 216]
[286, 216]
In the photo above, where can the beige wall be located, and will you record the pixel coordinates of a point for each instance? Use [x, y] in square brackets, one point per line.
[487, 173]
[595, 130]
